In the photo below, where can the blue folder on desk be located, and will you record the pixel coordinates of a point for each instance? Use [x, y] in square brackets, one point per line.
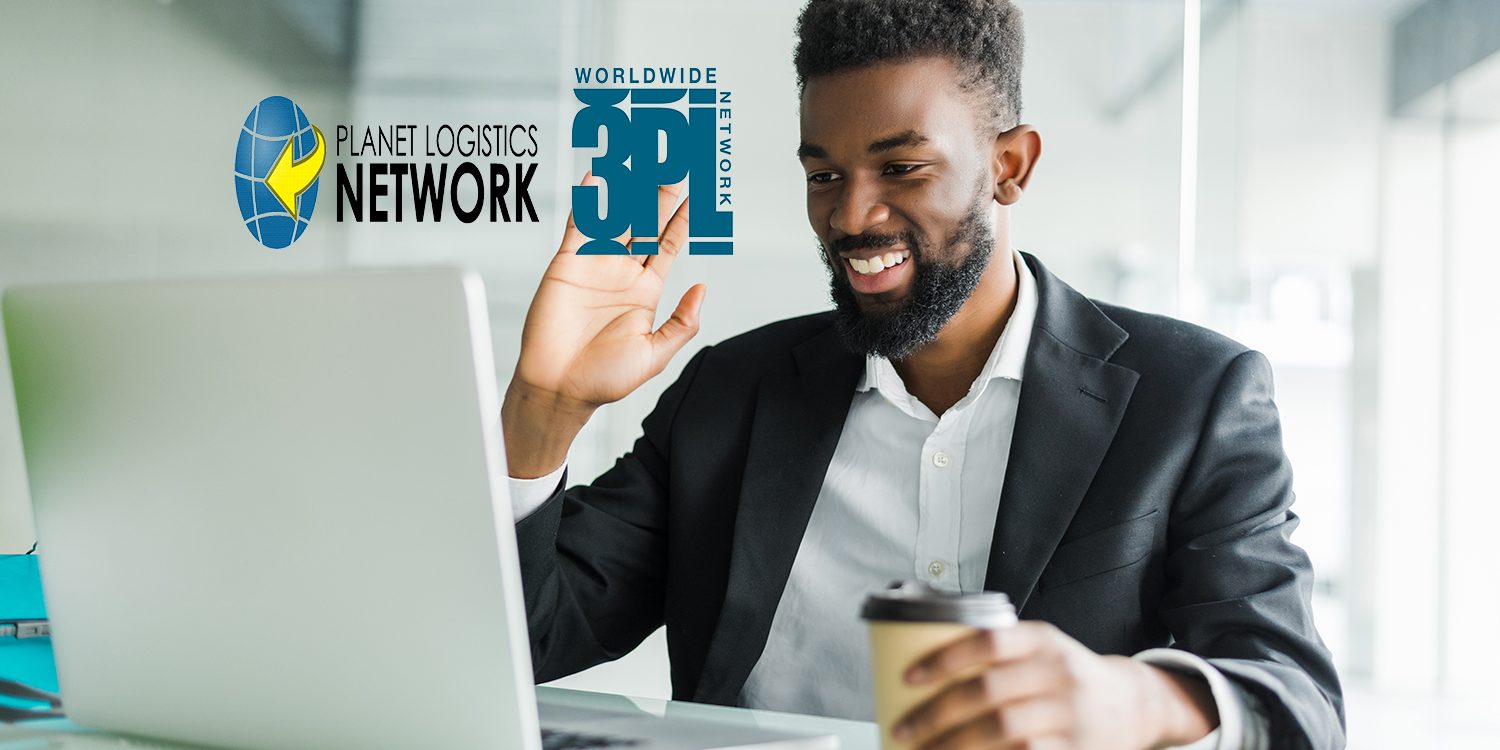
[27, 660]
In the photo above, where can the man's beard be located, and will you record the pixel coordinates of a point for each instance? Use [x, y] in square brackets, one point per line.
[938, 290]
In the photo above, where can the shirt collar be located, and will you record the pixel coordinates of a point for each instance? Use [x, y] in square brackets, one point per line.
[1006, 360]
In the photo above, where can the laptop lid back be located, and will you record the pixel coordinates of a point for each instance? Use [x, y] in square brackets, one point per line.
[272, 511]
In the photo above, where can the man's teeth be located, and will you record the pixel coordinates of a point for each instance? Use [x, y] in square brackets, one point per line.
[879, 263]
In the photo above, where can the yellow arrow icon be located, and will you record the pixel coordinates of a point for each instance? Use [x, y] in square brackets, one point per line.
[287, 178]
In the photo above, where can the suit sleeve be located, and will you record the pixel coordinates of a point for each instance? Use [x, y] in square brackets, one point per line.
[1239, 592]
[593, 557]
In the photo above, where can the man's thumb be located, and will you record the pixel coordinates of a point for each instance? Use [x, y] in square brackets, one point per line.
[680, 328]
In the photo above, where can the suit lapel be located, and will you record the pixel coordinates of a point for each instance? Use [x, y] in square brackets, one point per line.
[1072, 400]
[798, 421]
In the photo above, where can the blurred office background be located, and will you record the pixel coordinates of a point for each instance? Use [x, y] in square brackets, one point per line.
[1316, 178]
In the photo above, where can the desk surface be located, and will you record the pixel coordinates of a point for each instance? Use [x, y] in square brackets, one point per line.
[853, 735]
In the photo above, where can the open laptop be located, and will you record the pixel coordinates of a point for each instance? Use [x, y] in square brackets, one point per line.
[272, 513]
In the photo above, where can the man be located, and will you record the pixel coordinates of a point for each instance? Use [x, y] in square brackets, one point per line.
[962, 417]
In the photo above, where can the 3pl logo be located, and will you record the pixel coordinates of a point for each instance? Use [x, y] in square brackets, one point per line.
[635, 121]
[276, 166]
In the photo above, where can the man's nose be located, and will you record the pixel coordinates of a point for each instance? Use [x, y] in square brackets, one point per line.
[859, 208]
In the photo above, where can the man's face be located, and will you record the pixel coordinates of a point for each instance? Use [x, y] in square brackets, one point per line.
[899, 195]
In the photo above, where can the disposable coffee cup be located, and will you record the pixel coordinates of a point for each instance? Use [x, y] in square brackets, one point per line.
[906, 622]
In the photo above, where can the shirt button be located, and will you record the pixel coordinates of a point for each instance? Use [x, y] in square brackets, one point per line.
[936, 568]
[940, 459]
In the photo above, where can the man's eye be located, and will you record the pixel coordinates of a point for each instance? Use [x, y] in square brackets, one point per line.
[901, 168]
[821, 178]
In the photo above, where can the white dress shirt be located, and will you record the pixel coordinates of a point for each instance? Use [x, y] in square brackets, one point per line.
[908, 495]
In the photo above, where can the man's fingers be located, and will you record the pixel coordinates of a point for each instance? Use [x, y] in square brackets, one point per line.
[627, 240]
[680, 328]
[1029, 724]
[996, 686]
[674, 236]
[983, 646]
[670, 223]
[666, 201]
[573, 239]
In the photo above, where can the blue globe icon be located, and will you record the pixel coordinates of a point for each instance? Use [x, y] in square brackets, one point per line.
[268, 127]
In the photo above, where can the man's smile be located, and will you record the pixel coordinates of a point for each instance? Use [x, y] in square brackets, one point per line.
[874, 272]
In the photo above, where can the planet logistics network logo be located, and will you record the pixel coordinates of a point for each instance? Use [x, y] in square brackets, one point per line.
[276, 166]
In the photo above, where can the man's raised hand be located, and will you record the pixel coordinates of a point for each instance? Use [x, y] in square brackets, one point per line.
[589, 337]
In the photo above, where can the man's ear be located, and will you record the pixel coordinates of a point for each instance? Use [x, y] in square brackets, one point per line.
[1015, 154]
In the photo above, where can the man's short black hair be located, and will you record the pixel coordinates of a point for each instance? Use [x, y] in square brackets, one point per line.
[982, 37]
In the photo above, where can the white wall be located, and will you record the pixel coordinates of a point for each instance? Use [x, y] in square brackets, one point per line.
[119, 130]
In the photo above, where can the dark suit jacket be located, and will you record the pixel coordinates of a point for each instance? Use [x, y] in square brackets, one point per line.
[1146, 503]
